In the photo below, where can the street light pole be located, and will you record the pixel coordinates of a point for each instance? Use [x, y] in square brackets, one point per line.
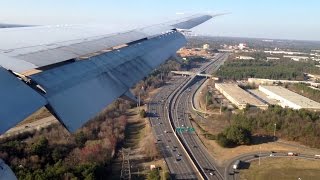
[138, 104]
[206, 102]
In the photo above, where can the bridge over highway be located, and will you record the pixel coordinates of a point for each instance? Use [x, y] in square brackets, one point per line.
[189, 73]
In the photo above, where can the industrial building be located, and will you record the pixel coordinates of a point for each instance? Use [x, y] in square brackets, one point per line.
[297, 58]
[206, 46]
[287, 98]
[245, 57]
[239, 97]
[272, 58]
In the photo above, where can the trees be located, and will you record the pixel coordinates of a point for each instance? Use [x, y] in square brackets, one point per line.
[238, 135]
[80, 139]
[143, 113]
[149, 147]
[234, 135]
[298, 125]
[40, 147]
[154, 175]
[259, 68]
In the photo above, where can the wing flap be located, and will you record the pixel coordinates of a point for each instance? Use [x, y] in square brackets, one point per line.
[78, 91]
[17, 100]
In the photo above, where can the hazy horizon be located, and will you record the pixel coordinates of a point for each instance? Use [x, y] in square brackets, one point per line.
[291, 20]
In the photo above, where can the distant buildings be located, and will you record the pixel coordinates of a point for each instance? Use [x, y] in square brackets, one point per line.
[286, 52]
[206, 46]
[272, 58]
[242, 46]
[245, 57]
[297, 58]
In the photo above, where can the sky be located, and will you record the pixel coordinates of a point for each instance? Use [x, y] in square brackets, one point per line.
[272, 19]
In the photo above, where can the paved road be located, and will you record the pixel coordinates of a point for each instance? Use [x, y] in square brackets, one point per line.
[178, 163]
[180, 108]
[231, 174]
[169, 109]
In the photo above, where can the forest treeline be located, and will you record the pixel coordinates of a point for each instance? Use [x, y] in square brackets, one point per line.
[302, 126]
[238, 69]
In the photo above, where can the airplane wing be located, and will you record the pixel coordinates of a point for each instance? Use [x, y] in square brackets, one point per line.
[2, 25]
[76, 71]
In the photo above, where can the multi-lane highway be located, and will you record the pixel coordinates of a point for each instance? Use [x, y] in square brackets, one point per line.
[169, 110]
[179, 114]
[176, 158]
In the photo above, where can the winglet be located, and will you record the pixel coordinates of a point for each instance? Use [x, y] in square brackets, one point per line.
[193, 21]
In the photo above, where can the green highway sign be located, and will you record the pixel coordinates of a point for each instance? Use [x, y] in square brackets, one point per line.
[185, 129]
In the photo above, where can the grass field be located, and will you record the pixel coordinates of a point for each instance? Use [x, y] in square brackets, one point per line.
[282, 168]
[40, 114]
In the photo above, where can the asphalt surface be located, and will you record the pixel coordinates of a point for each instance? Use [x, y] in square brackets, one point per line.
[180, 110]
[179, 165]
[245, 159]
[189, 160]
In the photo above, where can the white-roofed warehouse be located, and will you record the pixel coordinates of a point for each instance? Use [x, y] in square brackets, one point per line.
[288, 98]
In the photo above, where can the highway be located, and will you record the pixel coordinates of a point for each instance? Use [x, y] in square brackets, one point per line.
[183, 152]
[179, 164]
[180, 109]
[180, 114]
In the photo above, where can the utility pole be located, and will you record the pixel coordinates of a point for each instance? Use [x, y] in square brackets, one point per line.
[259, 154]
[125, 170]
[139, 98]
[206, 102]
[274, 132]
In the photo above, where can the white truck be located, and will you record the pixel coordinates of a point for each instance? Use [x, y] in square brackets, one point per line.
[292, 154]
[236, 165]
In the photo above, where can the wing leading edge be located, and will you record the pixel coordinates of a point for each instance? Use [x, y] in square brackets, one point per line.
[89, 75]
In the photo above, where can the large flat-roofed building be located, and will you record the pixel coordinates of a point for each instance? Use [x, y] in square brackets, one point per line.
[238, 96]
[287, 98]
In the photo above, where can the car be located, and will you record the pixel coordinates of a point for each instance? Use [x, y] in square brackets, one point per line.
[160, 123]
[271, 155]
[211, 174]
[195, 146]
